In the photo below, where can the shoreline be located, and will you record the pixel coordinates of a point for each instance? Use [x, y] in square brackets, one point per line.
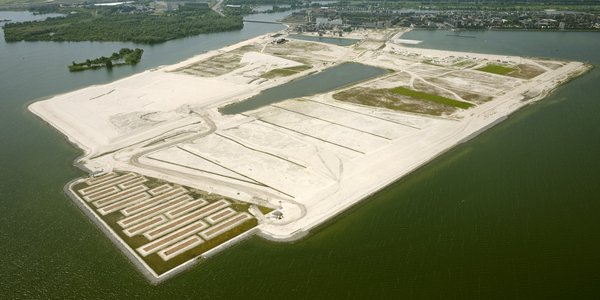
[348, 194]
[144, 269]
[315, 224]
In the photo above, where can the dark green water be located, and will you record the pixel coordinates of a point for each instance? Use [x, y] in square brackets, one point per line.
[322, 82]
[513, 214]
[328, 40]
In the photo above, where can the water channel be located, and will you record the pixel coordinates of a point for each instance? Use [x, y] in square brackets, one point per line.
[322, 82]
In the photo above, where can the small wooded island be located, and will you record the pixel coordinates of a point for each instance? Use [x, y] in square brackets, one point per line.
[125, 56]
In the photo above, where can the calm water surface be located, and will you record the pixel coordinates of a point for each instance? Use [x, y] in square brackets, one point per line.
[322, 82]
[513, 214]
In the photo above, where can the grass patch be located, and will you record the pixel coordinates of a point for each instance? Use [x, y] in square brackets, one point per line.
[474, 97]
[430, 97]
[283, 72]
[527, 71]
[386, 99]
[265, 210]
[464, 64]
[79, 185]
[161, 266]
[496, 69]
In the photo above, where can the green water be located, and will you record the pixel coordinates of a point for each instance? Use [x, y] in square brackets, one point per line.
[513, 214]
[322, 82]
[328, 40]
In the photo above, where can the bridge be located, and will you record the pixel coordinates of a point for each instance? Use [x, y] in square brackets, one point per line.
[265, 22]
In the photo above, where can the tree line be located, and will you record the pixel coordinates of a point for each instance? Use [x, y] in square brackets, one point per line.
[106, 24]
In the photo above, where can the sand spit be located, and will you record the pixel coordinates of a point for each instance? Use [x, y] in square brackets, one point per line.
[309, 158]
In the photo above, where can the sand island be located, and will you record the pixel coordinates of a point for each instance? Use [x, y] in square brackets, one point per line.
[275, 135]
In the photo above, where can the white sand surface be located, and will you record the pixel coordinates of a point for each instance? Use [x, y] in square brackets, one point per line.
[314, 157]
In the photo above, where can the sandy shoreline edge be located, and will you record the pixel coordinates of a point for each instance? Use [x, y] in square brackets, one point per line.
[374, 190]
[281, 234]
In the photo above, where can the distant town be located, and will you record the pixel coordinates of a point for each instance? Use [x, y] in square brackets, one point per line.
[341, 17]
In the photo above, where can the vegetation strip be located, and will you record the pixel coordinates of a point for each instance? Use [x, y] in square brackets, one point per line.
[103, 185]
[191, 217]
[101, 178]
[120, 196]
[283, 72]
[153, 201]
[172, 238]
[496, 69]
[123, 203]
[221, 215]
[225, 226]
[187, 208]
[180, 247]
[149, 213]
[145, 225]
[430, 97]
[101, 194]
[160, 189]
[132, 183]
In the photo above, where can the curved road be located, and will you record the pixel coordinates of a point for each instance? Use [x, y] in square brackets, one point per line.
[135, 161]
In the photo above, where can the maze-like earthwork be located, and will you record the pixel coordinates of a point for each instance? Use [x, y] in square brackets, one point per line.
[163, 225]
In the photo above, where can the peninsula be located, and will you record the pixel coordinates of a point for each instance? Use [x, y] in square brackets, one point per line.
[275, 135]
[132, 23]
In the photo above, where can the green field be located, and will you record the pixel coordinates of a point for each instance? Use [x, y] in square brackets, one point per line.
[496, 69]
[430, 97]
